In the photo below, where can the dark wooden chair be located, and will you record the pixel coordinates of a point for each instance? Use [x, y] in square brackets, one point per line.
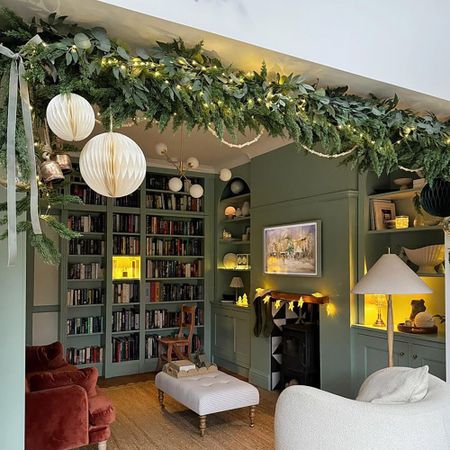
[180, 345]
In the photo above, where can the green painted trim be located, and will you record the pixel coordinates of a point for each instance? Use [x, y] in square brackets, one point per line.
[233, 367]
[260, 379]
[46, 308]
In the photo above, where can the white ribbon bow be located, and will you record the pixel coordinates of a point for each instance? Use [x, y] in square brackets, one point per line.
[16, 79]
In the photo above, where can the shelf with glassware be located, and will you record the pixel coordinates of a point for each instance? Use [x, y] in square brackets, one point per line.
[420, 244]
[170, 246]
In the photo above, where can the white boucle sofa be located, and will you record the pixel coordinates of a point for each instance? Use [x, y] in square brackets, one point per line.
[308, 419]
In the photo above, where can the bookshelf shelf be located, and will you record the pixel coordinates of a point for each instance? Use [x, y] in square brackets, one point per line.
[175, 236]
[237, 219]
[84, 334]
[149, 330]
[406, 230]
[234, 241]
[141, 227]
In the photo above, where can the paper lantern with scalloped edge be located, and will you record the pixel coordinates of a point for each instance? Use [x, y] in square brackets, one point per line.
[71, 117]
[112, 164]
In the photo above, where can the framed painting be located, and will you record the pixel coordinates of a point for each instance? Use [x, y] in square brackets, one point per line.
[293, 249]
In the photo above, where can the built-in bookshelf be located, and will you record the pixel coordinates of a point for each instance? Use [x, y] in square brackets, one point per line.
[112, 320]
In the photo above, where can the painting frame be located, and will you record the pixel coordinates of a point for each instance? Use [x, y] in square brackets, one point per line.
[290, 230]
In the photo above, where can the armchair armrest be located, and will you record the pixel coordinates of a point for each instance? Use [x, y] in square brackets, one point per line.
[56, 419]
[309, 418]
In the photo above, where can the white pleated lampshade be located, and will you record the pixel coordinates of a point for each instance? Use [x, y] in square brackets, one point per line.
[112, 164]
[390, 275]
[71, 117]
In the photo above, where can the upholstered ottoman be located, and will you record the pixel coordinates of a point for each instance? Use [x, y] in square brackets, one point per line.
[208, 394]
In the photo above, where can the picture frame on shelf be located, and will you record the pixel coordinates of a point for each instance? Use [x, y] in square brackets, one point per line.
[243, 261]
[381, 212]
[294, 249]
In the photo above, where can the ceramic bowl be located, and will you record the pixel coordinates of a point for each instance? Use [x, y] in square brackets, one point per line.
[404, 183]
[427, 258]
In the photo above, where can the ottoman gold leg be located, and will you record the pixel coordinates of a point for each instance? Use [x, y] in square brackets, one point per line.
[202, 425]
[251, 415]
[161, 398]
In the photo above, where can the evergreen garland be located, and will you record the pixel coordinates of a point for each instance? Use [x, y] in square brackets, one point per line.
[188, 86]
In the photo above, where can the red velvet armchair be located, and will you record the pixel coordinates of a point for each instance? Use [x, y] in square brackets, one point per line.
[64, 408]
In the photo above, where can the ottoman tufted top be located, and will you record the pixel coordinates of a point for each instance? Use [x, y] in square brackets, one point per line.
[209, 393]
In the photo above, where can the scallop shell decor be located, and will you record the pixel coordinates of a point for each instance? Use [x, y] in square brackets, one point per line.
[424, 320]
[71, 117]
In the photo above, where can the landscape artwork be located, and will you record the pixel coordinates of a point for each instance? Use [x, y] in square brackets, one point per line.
[293, 249]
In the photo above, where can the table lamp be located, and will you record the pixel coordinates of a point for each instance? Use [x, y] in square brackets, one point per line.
[236, 282]
[389, 276]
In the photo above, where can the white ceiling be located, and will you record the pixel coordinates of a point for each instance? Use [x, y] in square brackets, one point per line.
[143, 30]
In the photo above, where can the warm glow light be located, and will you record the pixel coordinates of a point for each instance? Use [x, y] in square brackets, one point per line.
[291, 306]
[331, 310]
[317, 294]
[300, 302]
[126, 267]
[278, 304]
[266, 299]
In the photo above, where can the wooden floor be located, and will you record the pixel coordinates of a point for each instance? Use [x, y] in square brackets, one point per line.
[141, 424]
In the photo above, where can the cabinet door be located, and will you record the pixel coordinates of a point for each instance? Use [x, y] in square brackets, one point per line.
[242, 340]
[434, 357]
[223, 335]
[372, 355]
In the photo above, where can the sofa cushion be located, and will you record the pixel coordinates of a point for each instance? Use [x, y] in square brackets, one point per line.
[101, 411]
[44, 357]
[395, 385]
[86, 378]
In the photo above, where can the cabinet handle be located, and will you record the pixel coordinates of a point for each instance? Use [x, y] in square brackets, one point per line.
[414, 356]
[402, 354]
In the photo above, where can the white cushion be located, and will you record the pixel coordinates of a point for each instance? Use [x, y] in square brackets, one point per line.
[395, 385]
[209, 393]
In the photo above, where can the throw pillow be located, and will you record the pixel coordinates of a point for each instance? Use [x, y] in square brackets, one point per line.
[44, 357]
[395, 385]
[86, 378]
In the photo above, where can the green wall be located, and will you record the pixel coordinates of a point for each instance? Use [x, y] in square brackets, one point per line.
[12, 346]
[289, 187]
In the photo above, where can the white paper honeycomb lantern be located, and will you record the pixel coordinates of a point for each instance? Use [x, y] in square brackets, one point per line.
[71, 117]
[112, 164]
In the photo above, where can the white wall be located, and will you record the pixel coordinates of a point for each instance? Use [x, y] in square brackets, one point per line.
[403, 42]
[12, 346]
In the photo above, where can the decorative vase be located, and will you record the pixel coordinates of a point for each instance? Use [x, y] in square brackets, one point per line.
[245, 209]
[436, 200]
[238, 212]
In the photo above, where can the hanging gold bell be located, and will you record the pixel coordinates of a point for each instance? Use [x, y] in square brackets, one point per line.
[64, 162]
[50, 170]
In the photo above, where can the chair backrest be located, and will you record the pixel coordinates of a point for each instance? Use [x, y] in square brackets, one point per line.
[187, 322]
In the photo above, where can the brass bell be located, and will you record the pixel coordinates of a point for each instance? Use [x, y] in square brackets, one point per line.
[64, 162]
[50, 170]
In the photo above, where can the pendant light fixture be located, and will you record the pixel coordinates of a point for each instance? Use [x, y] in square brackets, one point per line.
[191, 163]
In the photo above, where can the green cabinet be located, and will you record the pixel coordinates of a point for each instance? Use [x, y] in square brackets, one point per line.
[369, 353]
[231, 337]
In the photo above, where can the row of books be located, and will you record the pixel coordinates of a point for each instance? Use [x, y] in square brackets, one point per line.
[87, 223]
[163, 318]
[126, 293]
[174, 202]
[173, 247]
[86, 355]
[86, 247]
[158, 225]
[84, 325]
[125, 320]
[125, 348]
[155, 291]
[126, 245]
[151, 346]
[174, 269]
[85, 296]
[126, 223]
[82, 271]
[86, 194]
[161, 182]
[130, 201]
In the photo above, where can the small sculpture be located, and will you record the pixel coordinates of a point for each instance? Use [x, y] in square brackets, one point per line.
[424, 320]
[417, 306]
